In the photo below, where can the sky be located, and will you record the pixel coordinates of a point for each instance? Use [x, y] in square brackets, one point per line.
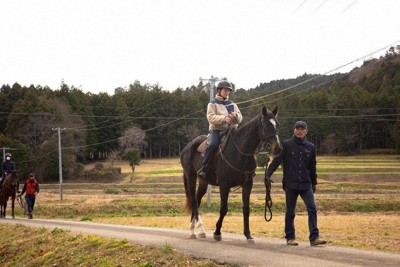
[99, 45]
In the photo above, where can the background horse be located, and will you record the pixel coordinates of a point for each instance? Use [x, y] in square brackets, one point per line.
[234, 165]
[8, 189]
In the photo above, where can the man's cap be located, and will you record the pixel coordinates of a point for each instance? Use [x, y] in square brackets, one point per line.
[300, 124]
[31, 174]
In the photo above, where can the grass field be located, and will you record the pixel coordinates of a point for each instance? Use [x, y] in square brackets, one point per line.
[358, 200]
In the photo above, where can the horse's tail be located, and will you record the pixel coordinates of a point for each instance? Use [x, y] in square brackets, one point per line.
[187, 207]
[189, 171]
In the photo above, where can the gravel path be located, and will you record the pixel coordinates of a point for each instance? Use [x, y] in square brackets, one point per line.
[232, 249]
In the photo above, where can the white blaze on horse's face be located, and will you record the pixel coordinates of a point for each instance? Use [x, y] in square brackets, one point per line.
[273, 122]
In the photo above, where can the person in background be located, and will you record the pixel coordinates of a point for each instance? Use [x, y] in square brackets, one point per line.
[298, 158]
[222, 113]
[7, 167]
[31, 188]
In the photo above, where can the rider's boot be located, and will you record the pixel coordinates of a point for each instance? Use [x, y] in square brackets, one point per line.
[208, 159]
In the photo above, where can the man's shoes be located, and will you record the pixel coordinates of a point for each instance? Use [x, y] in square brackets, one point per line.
[30, 216]
[317, 242]
[292, 242]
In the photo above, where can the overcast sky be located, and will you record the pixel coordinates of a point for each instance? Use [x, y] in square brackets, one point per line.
[99, 45]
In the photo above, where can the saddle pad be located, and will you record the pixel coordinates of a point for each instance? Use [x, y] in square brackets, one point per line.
[202, 147]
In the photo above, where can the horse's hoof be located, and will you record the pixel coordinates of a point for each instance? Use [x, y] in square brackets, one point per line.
[251, 241]
[202, 235]
[217, 237]
[193, 236]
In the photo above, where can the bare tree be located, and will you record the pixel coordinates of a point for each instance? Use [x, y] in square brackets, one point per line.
[133, 137]
[331, 144]
[190, 131]
[113, 156]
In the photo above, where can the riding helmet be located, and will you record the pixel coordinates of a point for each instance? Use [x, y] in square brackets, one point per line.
[225, 84]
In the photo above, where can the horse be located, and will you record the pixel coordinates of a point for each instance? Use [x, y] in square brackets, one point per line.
[8, 189]
[234, 166]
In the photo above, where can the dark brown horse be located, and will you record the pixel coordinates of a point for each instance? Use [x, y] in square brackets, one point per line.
[8, 189]
[234, 165]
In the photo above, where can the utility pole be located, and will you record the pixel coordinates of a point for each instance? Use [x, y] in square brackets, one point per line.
[4, 152]
[59, 160]
[212, 81]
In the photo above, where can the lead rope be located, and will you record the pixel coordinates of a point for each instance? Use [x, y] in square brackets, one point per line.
[268, 199]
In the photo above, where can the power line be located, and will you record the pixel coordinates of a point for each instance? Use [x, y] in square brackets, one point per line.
[257, 98]
[274, 93]
[299, 7]
[326, 73]
[318, 7]
[348, 7]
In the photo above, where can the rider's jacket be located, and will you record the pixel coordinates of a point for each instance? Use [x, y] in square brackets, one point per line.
[8, 166]
[218, 109]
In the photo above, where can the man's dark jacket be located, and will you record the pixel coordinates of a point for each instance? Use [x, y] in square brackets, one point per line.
[299, 162]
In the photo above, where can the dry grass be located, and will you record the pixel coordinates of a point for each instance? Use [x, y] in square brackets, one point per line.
[154, 181]
[373, 231]
[24, 246]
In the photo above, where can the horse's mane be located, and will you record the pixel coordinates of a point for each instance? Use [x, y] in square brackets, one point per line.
[249, 127]
[10, 179]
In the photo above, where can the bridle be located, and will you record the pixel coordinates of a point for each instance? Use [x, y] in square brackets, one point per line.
[263, 136]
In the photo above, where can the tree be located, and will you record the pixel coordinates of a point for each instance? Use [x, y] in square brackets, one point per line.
[133, 157]
[331, 144]
[133, 138]
[262, 160]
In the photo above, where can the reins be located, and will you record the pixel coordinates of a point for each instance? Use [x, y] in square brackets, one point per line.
[245, 173]
[268, 199]
[21, 202]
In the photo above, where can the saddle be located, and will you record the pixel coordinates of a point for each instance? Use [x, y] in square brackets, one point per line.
[224, 138]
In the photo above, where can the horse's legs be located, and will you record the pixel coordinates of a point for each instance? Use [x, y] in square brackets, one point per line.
[191, 228]
[201, 191]
[12, 207]
[4, 209]
[246, 190]
[224, 193]
[190, 184]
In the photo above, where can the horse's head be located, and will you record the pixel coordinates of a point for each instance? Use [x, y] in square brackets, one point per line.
[269, 128]
[13, 177]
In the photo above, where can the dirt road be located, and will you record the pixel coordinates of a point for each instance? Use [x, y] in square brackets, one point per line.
[232, 249]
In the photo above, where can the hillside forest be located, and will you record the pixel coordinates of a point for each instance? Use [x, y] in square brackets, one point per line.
[347, 113]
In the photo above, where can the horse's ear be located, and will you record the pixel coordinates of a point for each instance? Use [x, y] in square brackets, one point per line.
[264, 111]
[275, 111]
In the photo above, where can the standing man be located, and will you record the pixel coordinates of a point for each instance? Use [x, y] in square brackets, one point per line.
[298, 157]
[31, 187]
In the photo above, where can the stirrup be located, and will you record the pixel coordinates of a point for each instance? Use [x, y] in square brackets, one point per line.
[201, 172]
